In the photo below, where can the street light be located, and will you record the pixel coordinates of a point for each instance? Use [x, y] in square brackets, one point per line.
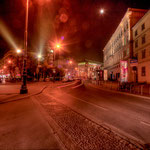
[70, 62]
[18, 51]
[39, 56]
[58, 45]
[9, 61]
[24, 89]
[101, 11]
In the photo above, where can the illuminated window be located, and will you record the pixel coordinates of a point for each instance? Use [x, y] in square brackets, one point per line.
[124, 29]
[124, 41]
[127, 25]
[143, 71]
[127, 51]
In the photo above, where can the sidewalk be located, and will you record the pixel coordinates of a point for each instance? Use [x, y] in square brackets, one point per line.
[143, 89]
[21, 125]
[11, 91]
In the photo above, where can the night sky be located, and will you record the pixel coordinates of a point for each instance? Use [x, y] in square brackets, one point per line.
[78, 24]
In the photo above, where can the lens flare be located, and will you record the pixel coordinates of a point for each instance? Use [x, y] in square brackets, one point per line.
[39, 56]
[18, 51]
[7, 35]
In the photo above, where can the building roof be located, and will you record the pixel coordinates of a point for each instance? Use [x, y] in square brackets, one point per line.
[147, 13]
[128, 12]
[90, 61]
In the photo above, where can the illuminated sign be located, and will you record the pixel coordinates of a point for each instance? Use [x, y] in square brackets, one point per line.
[123, 71]
[90, 63]
[133, 62]
[82, 63]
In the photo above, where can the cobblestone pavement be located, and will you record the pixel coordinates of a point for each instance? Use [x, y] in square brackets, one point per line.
[82, 132]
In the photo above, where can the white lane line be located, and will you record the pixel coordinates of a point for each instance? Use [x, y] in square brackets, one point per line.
[58, 99]
[88, 102]
[66, 85]
[145, 123]
[78, 85]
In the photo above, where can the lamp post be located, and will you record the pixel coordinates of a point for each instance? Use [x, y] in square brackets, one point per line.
[24, 89]
[38, 66]
[58, 46]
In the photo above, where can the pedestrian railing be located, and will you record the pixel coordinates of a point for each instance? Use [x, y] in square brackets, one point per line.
[141, 89]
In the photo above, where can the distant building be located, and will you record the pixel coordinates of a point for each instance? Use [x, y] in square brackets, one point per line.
[88, 69]
[141, 48]
[119, 49]
[49, 56]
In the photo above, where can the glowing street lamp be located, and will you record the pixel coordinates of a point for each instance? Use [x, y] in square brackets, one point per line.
[52, 51]
[18, 51]
[70, 62]
[39, 56]
[101, 11]
[4, 67]
[58, 46]
[9, 61]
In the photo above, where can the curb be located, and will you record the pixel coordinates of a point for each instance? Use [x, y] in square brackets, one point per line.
[27, 96]
[125, 93]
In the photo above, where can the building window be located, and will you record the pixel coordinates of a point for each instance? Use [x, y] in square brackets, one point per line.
[136, 43]
[127, 25]
[136, 32]
[127, 38]
[127, 51]
[124, 29]
[143, 71]
[143, 39]
[124, 53]
[124, 40]
[143, 54]
[143, 26]
[136, 56]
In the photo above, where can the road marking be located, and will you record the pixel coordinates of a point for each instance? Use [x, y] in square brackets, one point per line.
[80, 100]
[89, 102]
[78, 85]
[145, 123]
[66, 85]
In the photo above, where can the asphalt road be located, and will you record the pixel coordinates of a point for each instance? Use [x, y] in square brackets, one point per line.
[87, 110]
[128, 115]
